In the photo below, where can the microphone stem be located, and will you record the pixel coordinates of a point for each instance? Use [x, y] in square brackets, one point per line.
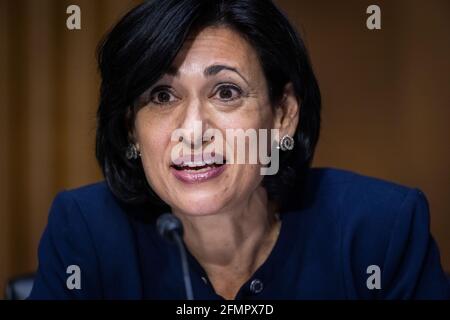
[184, 263]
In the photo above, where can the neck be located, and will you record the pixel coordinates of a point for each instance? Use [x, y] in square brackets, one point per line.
[236, 241]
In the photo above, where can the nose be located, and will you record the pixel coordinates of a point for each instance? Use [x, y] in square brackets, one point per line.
[194, 122]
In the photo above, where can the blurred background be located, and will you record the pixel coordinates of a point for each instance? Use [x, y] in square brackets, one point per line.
[386, 103]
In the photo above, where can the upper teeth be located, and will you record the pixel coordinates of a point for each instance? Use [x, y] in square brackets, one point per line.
[199, 164]
[194, 164]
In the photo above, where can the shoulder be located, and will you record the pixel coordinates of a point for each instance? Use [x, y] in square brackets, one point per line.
[94, 210]
[378, 223]
[88, 228]
[94, 203]
[95, 195]
[355, 196]
[366, 208]
[332, 180]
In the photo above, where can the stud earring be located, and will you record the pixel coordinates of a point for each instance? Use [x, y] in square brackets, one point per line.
[286, 143]
[132, 152]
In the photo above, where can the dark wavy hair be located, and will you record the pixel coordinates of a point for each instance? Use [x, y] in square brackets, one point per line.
[142, 46]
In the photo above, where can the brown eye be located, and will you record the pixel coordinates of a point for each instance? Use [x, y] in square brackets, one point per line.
[162, 96]
[228, 92]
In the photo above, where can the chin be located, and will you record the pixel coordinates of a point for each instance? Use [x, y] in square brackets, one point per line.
[200, 206]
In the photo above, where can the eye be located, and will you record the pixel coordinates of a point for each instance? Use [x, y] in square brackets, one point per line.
[228, 92]
[162, 95]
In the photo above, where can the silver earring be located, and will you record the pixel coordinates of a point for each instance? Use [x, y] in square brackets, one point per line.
[286, 143]
[132, 152]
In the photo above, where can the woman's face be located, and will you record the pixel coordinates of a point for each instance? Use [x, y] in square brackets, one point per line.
[216, 79]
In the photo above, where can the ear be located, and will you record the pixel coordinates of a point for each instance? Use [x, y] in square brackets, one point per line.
[287, 112]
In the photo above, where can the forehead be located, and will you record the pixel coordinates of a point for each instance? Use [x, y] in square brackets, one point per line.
[214, 45]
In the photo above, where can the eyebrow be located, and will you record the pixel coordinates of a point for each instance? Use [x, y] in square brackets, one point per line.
[209, 71]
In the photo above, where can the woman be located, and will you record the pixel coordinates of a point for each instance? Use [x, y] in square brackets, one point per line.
[298, 233]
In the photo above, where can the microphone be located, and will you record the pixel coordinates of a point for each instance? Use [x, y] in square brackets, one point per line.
[170, 228]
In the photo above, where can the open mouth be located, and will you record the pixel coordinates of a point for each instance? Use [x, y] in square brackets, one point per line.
[200, 167]
[190, 172]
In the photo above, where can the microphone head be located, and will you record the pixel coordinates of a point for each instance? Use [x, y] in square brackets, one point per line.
[168, 225]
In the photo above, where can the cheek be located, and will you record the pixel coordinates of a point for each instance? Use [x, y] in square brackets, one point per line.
[153, 138]
[252, 176]
[249, 175]
[150, 138]
[258, 117]
[151, 133]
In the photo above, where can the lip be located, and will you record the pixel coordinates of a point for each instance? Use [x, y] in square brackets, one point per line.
[192, 177]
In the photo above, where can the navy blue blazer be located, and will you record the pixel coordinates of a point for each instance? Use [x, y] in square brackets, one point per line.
[350, 237]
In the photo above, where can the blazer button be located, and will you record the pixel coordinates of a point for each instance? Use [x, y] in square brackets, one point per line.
[256, 286]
